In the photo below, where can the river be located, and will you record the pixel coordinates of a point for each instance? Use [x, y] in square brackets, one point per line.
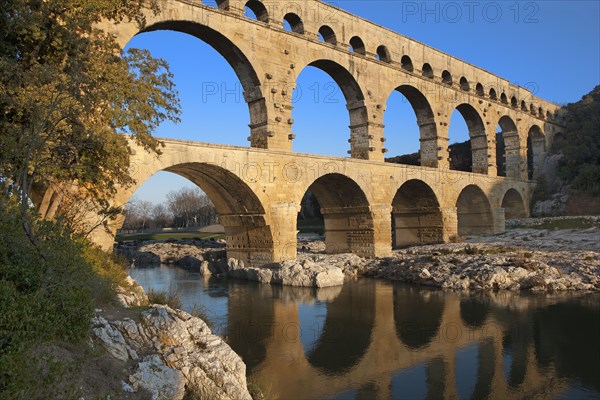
[374, 339]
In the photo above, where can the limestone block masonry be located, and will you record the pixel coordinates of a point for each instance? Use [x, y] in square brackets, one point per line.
[368, 205]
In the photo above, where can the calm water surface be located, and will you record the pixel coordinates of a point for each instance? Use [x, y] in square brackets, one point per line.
[380, 340]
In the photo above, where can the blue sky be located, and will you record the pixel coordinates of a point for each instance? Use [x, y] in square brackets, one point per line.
[551, 47]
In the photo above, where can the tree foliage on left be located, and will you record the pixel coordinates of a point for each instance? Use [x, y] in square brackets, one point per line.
[69, 95]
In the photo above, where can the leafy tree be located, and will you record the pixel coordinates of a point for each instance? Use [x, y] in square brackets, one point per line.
[68, 95]
[310, 207]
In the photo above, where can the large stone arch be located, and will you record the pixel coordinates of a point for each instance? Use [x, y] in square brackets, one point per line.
[508, 148]
[426, 122]
[477, 135]
[514, 205]
[416, 215]
[241, 211]
[355, 103]
[237, 54]
[349, 226]
[474, 212]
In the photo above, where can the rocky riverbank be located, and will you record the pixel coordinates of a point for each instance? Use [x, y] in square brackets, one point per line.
[491, 266]
[537, 260]
[167, 354]
[524, 258]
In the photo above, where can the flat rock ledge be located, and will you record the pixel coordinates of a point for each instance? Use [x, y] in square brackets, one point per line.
[491, 267]
[175, 352]
[304, 273]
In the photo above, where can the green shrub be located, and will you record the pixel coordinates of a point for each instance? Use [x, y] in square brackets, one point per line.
[42, 299]
[110, 272]
[455, 239]
[580, 144]
[472, 250]
[259, 390]
[47, 295]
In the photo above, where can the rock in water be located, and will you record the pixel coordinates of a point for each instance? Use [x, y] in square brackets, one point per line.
[289, 273]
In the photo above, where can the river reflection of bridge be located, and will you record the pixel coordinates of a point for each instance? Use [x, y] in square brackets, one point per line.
[386, 341]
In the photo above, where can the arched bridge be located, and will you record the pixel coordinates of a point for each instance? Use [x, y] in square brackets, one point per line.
[257, 193]
[257, 190]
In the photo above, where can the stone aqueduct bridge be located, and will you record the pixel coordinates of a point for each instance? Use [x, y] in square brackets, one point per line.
[257, 190]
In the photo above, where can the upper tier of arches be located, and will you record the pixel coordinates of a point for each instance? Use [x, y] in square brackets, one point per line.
[312, 21]
[267, 70]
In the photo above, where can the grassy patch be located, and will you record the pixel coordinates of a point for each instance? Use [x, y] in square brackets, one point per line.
[577, 223]
[169, 297]
[472, 250]
[123, 237]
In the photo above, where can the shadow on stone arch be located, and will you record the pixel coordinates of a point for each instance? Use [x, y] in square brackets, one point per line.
[474, 212]
[536, 151]
[416, 215]
[348, 222]
[514, 205]
[508, 157]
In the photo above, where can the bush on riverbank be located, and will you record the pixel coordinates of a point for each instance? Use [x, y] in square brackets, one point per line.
[47, 296]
